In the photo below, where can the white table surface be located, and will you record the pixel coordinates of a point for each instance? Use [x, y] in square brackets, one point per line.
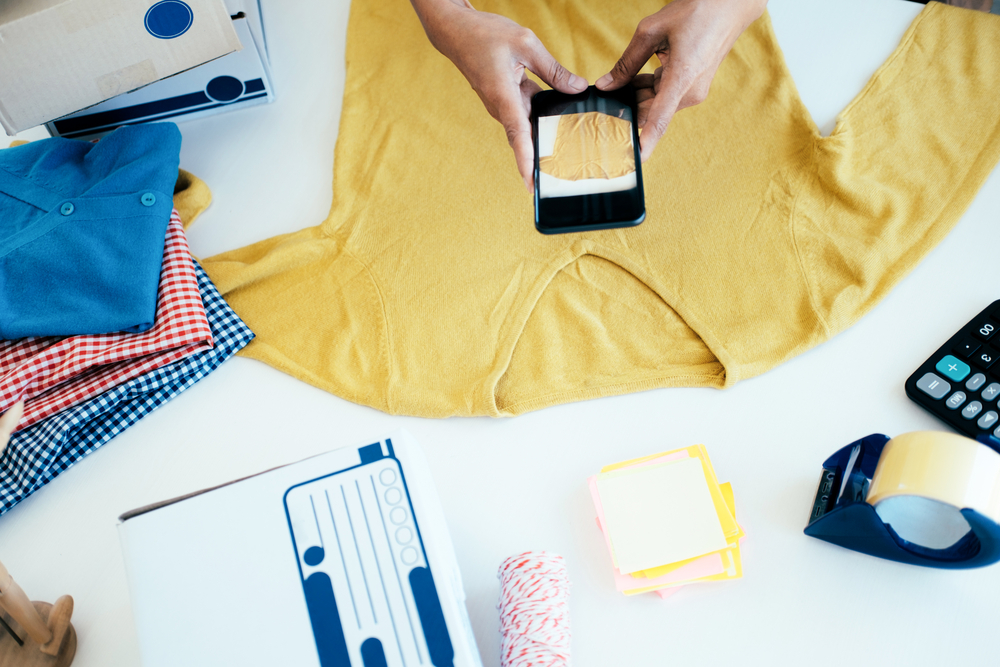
[511, 485]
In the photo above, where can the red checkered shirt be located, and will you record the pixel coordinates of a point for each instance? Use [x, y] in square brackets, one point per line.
[52, 374]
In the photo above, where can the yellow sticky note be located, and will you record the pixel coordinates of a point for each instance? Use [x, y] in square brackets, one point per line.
[661, 513]
[726, 491]
[729, 526]
[731, 558]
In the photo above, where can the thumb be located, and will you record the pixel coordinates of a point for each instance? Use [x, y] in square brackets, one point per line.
[551, 71]
[636, 54]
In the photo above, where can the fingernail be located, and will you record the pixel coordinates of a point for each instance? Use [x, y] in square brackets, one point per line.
[577, 82]
[603, 81]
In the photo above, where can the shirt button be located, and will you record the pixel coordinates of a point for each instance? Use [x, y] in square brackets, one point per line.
[148, 199]
[67, 208]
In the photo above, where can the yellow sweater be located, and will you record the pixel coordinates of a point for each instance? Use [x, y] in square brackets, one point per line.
[427, 290]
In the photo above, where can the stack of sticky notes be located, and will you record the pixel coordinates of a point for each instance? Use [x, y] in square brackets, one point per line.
[667, 522]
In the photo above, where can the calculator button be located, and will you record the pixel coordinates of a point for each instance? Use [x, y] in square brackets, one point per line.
[987, 420]
[975, 382]
[952, 368]
[996, 433]
[984, 329]
[955, 400]
[933, 386]
[972, 409]
[985, 358]
[965, 348]
[991, 391]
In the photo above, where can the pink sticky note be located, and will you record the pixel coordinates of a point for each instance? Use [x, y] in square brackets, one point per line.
[664, 593]
[705, 566]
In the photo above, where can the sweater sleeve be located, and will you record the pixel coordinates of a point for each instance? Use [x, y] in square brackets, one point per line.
[903, 163]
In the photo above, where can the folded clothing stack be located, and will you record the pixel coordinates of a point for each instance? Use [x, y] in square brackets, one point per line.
[82, 227]
[51, 374]
[88, 340]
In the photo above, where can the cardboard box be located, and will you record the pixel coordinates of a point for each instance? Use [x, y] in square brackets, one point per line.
[340, 559]
[60, 56]
[252, 12]
[234, 81]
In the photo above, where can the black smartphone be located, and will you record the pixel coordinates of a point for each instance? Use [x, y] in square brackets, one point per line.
[588, 171]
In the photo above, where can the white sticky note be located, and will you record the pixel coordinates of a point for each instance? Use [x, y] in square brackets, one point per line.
[659, 514]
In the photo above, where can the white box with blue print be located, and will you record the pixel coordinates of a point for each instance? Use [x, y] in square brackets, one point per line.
[341, 559]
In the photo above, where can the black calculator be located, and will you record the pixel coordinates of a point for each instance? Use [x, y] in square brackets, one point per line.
[960, 383]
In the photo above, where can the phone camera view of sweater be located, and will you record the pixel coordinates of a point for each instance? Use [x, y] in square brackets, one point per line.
[584, 152]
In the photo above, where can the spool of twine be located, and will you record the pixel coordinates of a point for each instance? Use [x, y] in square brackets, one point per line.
[534, 611]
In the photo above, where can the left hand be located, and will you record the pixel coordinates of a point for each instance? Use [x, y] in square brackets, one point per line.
[978, 5]
[495, 55]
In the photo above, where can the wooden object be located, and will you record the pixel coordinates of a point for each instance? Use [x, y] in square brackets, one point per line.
[8, 422]
[34, 634]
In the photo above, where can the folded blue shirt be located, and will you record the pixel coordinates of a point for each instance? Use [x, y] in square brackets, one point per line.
[82, 228]
[36, 455]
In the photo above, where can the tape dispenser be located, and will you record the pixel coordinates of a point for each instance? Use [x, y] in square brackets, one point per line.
[926, 498]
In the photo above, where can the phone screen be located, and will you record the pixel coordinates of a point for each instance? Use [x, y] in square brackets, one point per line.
[587, 167]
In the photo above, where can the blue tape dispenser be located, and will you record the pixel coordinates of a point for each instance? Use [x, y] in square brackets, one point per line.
[925, 498]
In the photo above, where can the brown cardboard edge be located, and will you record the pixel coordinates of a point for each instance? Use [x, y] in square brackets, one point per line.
[164, 503]
[6, 123]
[131, 514]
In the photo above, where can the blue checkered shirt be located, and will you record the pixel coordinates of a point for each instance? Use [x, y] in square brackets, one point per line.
[37, 455]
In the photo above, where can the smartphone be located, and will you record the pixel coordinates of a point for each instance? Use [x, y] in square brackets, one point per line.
[588, 171]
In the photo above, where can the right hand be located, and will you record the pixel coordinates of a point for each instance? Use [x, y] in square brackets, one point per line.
[495, 54]
[8, 422]
[690, 38]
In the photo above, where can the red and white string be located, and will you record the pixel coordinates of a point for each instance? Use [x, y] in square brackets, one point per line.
[534, 611]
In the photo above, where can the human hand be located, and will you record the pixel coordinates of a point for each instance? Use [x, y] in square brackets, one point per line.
[495, 54]
[690, 38]
[8, 422]
[978, 5]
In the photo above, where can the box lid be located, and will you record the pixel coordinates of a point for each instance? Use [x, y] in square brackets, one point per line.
[61, 56]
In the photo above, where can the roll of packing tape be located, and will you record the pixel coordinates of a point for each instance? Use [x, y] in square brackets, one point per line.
[925, 498]
[925, 479]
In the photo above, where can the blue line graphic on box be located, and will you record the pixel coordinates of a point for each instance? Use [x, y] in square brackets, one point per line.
[219, 92]
[356, 539]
